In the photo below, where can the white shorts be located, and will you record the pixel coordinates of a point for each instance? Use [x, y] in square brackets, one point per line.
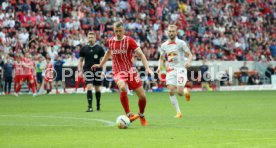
[177, 77]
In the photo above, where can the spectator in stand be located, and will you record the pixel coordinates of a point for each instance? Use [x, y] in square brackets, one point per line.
[254, 79]
[225, 79]
[272, 48]
[244, 74]
[269, 72]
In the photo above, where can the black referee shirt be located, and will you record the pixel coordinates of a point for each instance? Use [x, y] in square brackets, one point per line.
[92, 54]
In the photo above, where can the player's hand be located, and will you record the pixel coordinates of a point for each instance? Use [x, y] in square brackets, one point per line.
[149, 71]
[95, 66]
[102, 75]
[187, 65]
[158, 70]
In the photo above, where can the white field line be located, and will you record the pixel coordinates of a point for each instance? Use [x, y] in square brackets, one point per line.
[108, 123]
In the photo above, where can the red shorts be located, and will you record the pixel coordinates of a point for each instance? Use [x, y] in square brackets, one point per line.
[17, 78]
[28, 78]
[80, 79]
[46, 79]
[132, 79]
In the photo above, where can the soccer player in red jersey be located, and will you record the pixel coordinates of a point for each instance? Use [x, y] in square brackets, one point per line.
[80, 80]
[49, 75]
[18, 72]
[121, 49]
[28, 67]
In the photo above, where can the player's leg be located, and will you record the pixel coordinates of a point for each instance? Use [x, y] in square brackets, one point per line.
[123, 95]
[98, 96]
[174, 101]
[142, 102]
[32, 84]
[171, 80]
[77, 85]
[89, 96]
[64, 86]
[181, 82]
[83, 84]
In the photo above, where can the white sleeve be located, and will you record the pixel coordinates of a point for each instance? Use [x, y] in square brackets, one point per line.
[162, 50]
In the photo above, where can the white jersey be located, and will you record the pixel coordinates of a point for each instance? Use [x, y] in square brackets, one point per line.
[175, 52]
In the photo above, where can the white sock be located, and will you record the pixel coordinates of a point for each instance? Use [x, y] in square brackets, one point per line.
[175, 103]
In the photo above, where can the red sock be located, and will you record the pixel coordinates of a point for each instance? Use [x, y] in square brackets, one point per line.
[45, 86]
[142, 104]
[18, 88]
[33, 88]
[83, 83]
[14, 86]
[29, 86]
[77, 85]
[124, 101]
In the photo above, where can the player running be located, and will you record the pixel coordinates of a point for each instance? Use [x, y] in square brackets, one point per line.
[121, 49]
[176, 77]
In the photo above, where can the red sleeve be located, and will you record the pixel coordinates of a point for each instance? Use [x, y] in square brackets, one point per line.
[132, 44]
[107, 43]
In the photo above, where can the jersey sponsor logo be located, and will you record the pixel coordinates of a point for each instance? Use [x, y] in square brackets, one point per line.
[96, 56]
[171, 56]
[118, 51]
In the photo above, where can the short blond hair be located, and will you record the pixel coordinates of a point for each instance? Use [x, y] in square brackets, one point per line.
[118, 24]
[172, 26]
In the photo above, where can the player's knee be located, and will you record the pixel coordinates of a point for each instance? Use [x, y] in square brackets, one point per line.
[171, 92]
[142, 97]
[180, 93]
[123, 88]
[89, 86]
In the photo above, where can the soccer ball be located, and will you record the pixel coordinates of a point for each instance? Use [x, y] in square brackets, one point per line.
[122, 122]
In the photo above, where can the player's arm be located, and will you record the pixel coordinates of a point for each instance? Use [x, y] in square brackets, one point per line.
[188, 53]
[144, 60]
[190, 58]
[160, 62]
[27, 65]
[107, 55]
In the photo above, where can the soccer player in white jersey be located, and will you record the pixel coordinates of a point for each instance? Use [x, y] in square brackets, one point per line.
[179, 59]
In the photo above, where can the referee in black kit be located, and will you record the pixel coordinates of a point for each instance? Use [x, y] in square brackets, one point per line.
[89, 55]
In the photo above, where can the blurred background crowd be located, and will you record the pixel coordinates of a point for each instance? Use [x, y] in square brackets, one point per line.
[227, 30]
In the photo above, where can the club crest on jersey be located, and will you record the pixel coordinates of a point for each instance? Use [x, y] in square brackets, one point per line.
[118, 51]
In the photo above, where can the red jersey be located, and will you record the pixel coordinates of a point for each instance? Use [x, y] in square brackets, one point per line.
[18, 68]
[49, 73]
[29, 70]
[122, 52]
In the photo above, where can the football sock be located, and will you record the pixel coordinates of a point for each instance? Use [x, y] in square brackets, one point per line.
[77, 85]
[18, 88]
[33, 87]
[89, 98]
[175, 103]
[98, 99]
[142, 104]
[45, 86]
[14, 86]
[124, 102]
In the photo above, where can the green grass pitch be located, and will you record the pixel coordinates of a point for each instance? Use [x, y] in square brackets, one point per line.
[211, 119]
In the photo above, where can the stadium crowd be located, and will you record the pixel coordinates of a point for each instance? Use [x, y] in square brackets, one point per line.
[230, 30]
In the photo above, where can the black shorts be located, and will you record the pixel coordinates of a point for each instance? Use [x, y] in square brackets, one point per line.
[93, 76]
[39, 77]
[58, 77]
